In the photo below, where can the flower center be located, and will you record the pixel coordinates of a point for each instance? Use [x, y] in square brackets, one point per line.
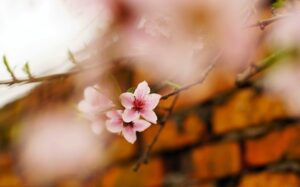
[130, 124]
[138, 105]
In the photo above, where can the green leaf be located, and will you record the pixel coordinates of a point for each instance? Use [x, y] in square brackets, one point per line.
[131, 89]
[278, 3]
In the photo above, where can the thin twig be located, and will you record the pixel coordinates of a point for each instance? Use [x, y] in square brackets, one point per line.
[50, 77]
[145, 156]
[263, 23]
[207, 71]
[264, 64]
[253, 70]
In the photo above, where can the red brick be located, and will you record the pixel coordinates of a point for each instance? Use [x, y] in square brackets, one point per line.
[217, 160]
[274, 146]
[9, 179]
[247, 108]
[171, 138]
[148, 175]
[6, 161]
[270, 180]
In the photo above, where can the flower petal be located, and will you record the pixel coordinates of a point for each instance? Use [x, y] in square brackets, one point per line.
[85, 107]
[150, 116]
[141, 125]
[114, 126]
[142, 90]
[130, 115]
[114, 114]
[127, 99]
[152, 101]
[97, 99]
[129, 134]
[104, 102]
[91, 95]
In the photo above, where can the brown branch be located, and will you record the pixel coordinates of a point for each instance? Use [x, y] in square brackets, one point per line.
[253, 69]
[207, 71]
[263, 23]
[267, 62]
[145, 156]
[50, 77]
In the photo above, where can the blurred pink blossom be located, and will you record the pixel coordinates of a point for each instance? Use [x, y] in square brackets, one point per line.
[284, 81]
[127, 122]
[286, 32]
[178, 41]
[140, 103]
[56, 144]
[115, 124]
[94, 103]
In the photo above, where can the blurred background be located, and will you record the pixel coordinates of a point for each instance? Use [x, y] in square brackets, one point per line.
[235, 123]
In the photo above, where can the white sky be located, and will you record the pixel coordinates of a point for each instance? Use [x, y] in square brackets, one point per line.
[41, 32]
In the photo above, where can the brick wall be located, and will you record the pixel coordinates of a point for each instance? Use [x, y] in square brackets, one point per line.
[232, 137]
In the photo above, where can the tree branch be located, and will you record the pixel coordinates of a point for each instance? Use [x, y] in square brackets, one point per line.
[263, 23]
[243, 78]
[267, 62]
[145, 156]
[207, 71]
[50, 77]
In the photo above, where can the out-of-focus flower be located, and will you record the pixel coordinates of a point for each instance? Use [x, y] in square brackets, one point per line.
[284, 81]
[284, 78]
[140, 103]
[94, 103]
[178, 41]
[115, 124]
[127, 122]
[54, 145]
[227, 28]
[286, 32]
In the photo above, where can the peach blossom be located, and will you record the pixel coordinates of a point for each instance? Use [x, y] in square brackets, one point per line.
[115, 124]
[140, 103]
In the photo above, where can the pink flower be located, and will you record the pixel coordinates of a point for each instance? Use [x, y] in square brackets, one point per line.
[94, 102]
[140, 103]
[115, 124]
